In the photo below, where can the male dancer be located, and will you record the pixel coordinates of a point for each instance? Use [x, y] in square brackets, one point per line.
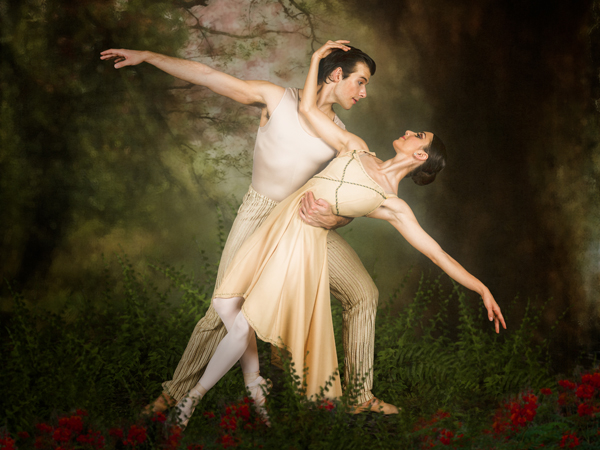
[286, 155]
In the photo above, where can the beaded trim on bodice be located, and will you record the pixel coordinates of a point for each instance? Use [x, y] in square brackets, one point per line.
[353, 158]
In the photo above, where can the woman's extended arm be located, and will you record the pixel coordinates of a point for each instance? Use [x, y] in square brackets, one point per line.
[326, 129]
[399, 214]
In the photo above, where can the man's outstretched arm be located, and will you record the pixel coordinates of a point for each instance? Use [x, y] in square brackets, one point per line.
[317, 213]
[259, 93]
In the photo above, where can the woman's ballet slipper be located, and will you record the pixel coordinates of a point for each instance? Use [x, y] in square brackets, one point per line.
[375, 405]
[186, 406]
[258, 389]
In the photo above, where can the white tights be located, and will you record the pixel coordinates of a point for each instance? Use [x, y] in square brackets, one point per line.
[238, 344]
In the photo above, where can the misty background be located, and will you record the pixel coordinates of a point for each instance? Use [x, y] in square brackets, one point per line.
[96, 161]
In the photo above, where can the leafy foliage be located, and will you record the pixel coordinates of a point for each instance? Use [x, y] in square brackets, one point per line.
[424, 363]
[110, 357]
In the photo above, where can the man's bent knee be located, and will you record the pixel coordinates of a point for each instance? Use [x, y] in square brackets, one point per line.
[365, 298]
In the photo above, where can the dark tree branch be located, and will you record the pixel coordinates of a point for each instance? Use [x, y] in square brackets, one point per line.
[190, 4]
[311, 25]
[254, 35]
[201, 116]
[261, 32]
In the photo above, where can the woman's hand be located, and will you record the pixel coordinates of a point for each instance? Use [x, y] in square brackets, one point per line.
[123, 57]
[493, 310]
[329, 47]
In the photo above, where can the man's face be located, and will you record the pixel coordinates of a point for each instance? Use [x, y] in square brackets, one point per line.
[351, 89]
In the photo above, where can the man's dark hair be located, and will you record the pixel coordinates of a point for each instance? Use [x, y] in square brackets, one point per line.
[346, 60]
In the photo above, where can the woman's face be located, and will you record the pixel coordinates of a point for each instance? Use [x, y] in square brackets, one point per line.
[411, 142]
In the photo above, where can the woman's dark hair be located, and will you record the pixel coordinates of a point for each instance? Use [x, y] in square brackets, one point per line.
[347, 60]
[436, 161]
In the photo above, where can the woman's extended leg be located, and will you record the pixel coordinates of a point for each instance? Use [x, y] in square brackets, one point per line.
[228, 309]
[257, 385]
[228, 352]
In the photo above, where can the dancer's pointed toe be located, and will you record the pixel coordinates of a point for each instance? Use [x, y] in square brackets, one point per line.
[186, 406]
[259, 389]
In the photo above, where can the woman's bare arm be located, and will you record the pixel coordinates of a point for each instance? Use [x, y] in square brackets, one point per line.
[326, 129]
[398, 213]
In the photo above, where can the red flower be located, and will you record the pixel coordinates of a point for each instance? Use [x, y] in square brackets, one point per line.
[62, 434]
[585, 391]
[585, 410]
[136, 435]
[7, 443]
[74, 423]
[569, 441]
[592, 379]
[228, 423]
[227, 441]
[567, 384]
[23, 434]
[546, 391]
[243, 412]
[195, 447]
[94, 438]
[327, 404]
[515, 414]
[81, 412]
[174, 438]
[159, 417]
[523, 413]
[446, 437]
[209, 415]
[441, 415]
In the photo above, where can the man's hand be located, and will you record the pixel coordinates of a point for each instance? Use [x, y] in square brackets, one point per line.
[317, 213]
[123, 57]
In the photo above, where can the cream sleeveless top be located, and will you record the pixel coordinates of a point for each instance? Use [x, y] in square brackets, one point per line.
[285, 155]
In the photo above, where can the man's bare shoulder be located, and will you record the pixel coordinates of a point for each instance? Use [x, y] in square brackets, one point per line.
[270, 92]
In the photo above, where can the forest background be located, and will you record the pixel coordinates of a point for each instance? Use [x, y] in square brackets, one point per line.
[96, 162]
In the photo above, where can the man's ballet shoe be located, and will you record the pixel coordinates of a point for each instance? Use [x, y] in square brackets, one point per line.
[161, 404]
[375, 405]
[258, 389]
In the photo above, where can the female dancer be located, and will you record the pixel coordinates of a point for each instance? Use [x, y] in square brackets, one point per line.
[277, 284]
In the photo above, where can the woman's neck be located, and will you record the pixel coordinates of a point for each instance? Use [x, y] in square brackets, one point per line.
[388, 173]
